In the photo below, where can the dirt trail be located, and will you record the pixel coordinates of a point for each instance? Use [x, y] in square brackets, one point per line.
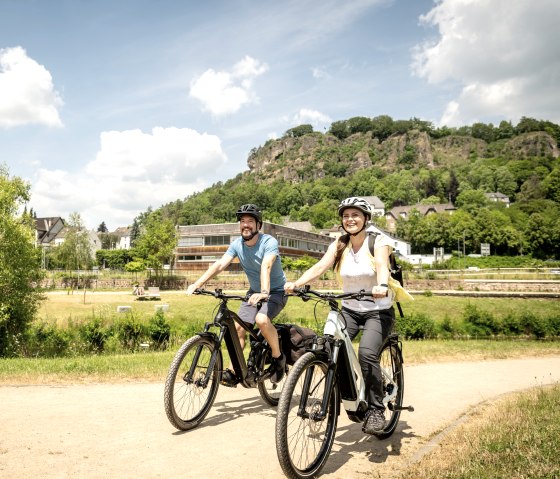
[121, 431]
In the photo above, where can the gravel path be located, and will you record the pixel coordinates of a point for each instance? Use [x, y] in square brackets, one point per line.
[91, 431]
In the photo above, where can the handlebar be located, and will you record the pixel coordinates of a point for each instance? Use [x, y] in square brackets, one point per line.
[219, 294]
[305, 293]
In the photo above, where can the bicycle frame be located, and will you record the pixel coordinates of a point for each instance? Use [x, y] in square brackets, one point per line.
[344, 365]
[225, 319]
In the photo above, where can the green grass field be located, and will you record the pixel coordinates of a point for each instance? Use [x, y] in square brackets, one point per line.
[62, 308]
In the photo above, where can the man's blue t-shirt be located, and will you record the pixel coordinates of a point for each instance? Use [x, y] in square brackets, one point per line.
[251, 258]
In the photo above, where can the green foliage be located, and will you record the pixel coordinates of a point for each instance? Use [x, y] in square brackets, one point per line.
[156, 244]
[130, 332]
[20, 264]
[298, 131]
[298, 264]
[480, 323]
[159, 330]
[75, 252]
[327, 170]
[113, 258]
[416, 326]
[46, 340]
[94, 335]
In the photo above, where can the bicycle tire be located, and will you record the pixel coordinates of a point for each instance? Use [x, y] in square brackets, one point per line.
[303, 445]
[186, 402]
[269, 391]
[390, 361]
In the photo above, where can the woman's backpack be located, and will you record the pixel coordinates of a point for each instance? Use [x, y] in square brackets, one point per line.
[394, 267]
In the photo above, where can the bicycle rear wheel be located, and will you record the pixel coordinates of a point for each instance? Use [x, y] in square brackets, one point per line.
[303, 441]
[269, 391]
[187, 400]
[393, 386]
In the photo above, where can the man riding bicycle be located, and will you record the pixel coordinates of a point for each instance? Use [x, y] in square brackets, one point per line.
[259, 257]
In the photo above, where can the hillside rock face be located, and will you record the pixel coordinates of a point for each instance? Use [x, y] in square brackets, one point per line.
[316, 155]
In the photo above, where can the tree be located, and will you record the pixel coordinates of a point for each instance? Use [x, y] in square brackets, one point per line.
[20, 264]
[359, 124]
[452, 187]
[551, 185]
[471, 200]
[382, 127]
[483, 131]
[155, 246]
[102, 228]
[134, 231]
[339, 129]
[298, 131]
[75, 252]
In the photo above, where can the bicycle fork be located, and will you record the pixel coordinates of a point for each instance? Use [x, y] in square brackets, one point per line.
[203, 381]
[319, 415]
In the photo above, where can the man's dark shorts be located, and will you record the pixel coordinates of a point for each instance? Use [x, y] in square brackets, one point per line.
[272, 308]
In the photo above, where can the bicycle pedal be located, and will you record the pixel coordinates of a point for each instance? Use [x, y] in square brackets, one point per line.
[228, 384]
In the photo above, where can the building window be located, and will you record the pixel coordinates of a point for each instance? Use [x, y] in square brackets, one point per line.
[217, 240]
[190, 241]
[182, 258]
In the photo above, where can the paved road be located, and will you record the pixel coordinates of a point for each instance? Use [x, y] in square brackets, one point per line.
[120, 430]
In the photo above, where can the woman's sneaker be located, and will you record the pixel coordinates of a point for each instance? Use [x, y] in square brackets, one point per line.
[374, 421]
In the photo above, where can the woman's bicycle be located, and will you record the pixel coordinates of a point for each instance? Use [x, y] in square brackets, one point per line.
[197, 368]
[324, 377]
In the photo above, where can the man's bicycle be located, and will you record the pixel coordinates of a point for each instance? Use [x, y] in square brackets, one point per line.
[324, 377]
[197, 368]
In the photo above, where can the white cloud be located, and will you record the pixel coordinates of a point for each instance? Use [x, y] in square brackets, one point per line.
[312, 117]
[27, 94]
[504, 55]
[222, 92]
[319, 73]
[132, 170]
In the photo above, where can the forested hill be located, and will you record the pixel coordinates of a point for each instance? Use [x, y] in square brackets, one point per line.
[304, 174]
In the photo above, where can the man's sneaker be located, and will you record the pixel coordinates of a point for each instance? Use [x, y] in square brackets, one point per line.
[374, 421]
[229, 379]
[277, 368]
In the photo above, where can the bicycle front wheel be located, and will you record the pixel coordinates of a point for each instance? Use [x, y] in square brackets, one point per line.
[393, 387]
[187, 396]
[303, 438]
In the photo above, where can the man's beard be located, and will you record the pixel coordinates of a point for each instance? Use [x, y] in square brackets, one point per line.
[248, 234]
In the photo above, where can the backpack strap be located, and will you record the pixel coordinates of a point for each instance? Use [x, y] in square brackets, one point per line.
[372, 236]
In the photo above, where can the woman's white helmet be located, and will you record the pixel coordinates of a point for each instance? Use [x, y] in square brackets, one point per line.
[355, 202]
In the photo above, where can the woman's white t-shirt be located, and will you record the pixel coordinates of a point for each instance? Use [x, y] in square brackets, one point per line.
[357, 274]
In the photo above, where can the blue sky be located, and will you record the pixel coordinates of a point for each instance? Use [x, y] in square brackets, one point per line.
[109, 107]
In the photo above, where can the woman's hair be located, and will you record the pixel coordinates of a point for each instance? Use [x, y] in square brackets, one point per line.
[341, 245]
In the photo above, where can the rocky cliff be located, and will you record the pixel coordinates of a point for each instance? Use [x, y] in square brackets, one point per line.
[317, 155]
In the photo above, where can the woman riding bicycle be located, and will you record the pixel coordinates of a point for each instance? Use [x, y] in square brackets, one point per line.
[357, 270]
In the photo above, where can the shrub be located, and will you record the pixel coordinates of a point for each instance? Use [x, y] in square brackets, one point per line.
[159, 330]
[416, 326]
[130, 332]
[46, 341]
[534, 325]
[446, 328]
[480, 323]
[554, 325]
[94, 335]
[512, 325]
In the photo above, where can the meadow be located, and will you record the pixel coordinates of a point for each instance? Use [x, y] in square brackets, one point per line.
[187, 315]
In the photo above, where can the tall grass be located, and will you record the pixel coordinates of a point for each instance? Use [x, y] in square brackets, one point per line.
[513, 438]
